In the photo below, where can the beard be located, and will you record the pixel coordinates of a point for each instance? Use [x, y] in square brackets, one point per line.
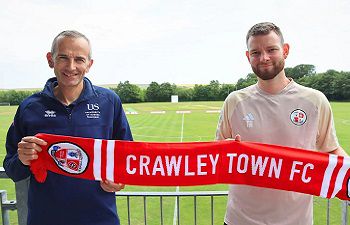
[268, 73]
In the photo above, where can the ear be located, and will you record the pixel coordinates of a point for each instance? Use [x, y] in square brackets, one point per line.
[91, 61]
[50, 60]
[285, 50]
[248, 56]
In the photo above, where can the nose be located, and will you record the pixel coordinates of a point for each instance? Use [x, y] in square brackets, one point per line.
[264, 57]
[71, 64]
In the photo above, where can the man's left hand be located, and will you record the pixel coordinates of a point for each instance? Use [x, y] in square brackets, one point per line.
[109, 186]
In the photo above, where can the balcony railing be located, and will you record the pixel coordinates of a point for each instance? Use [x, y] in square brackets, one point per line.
[178, 195]
[22, 189]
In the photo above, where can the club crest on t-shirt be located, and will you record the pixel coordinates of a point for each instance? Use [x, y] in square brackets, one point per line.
[298, 117]
[69, 157]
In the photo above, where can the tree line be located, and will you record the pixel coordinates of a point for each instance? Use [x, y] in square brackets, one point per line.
[334, 84]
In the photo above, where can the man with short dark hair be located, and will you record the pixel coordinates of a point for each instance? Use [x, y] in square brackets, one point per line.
[277, 111]
[69, 105]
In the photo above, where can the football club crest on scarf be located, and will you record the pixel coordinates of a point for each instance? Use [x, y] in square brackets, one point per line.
[69, 157]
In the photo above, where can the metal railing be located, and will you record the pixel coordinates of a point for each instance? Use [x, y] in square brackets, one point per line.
[20, 204]
[178, 196]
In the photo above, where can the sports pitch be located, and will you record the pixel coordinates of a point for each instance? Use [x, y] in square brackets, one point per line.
[183, 122]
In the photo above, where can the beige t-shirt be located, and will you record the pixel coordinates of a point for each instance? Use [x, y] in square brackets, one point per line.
[298, 117]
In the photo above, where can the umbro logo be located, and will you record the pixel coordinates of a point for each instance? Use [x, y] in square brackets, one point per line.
[50, 113]
[249, 119]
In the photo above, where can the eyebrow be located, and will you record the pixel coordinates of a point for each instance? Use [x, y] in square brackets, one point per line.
[81, 57]
[76, 57]
[270, 46]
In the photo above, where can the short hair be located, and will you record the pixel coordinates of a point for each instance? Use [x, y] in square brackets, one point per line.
[263, 29]
[69, 34]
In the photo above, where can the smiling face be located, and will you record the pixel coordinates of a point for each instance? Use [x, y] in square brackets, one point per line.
[70, 62]
[266, 55]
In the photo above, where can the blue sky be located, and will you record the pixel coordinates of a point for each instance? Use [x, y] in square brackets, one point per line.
[181, 42]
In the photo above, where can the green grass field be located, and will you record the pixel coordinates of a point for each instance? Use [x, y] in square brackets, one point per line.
[174, 127]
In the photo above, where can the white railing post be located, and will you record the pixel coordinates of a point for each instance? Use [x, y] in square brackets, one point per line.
[344, 214]
[22, 198]
[4, 212]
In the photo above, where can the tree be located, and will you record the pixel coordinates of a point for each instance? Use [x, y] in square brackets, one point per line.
[128, 93]
[165, 92]
[152, 92]
[184, 93]
[249, 80]
[200, 92]
[300, 71]
[213, 90]
[335, 85]
[160, 93]
[344, 85]
[14, 97]
[225, 90]
[339, 83]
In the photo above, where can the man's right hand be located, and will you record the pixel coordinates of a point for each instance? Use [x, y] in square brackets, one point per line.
[238, 138]
[28, 149]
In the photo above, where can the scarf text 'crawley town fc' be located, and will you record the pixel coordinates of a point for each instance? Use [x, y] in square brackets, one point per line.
[195, 163]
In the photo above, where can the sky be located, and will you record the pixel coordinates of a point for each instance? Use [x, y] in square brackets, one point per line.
[179, 41]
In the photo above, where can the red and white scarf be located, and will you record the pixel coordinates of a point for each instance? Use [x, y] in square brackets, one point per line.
[195, 163]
